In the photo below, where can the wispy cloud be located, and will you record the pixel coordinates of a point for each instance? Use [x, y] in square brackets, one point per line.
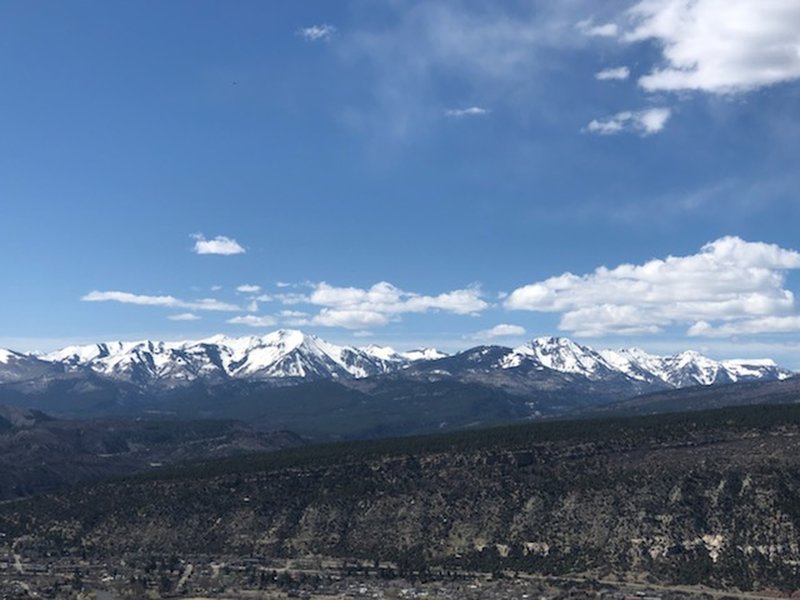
[644, 122]
[733, 282]
[253, 321]
[248, 288]
[614, 74]
[495, 52]
[504, 330]
[589, 28]
[472, 111]
[209, 304]
[317, 33]
[184, 317]
[219, 245]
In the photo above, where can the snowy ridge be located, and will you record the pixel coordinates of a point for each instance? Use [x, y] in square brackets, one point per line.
[680, 370]
[6, 355]
[288, 355]
[423, 354]
[282, 354]
[560, 354]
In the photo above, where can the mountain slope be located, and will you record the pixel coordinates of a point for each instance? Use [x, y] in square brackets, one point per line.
[706, 498]
[783, 391]
[39, 453]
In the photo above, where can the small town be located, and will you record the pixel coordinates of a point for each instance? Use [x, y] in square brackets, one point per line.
[207, 578]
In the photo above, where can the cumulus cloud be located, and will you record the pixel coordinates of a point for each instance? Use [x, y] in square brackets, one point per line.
[248, 288]
[253, 321]
[184, 317]
[218, 245]
[349, 318]
[169, 301]
[472, 111]
[730, 286]
[785, 324]
[357, 308]
[317, 33]
[644, 122]
[616, 73]
[719, 46]
[501, 331]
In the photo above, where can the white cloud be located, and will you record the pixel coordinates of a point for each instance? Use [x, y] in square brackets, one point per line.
[357, 308]
[128, 298]
[587, 27]
[736, 283]
[216, 288]
[645, 122]
[169, 301]
[292, 298]
[317, 33]
[386, 298]
[362, 334]
[210, 304]
[263, 298]
[252, 306]
[253, 321]
[501, 331]
[248, 288]
[219, 245]
[349, 318]
[785, 324]
[283, 284]
[616, 73]
[719, 46]
[184, 317]
[472, 111]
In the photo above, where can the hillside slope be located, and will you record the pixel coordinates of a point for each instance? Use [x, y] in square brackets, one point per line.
[710, 497]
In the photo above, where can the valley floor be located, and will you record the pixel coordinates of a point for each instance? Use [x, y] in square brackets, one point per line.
[234, 578]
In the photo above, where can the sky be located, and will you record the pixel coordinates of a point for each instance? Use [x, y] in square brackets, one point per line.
[438, 173]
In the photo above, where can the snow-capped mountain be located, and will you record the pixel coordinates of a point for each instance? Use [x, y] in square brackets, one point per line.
[282, 354]
[16, 365]
[559, 354]
[423, 354]
[289, 356]
[680, 370]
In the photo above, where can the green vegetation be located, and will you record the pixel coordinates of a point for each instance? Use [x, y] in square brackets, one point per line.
[613, 431]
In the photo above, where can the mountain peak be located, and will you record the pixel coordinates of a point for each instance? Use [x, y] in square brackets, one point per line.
[291, 354]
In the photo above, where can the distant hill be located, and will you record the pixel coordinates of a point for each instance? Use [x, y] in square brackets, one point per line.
[39, 453]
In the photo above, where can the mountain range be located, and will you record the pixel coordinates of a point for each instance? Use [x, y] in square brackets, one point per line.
[289, 356]
[288, 379]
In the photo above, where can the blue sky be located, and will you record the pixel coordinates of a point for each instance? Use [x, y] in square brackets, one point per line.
[403, 173]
